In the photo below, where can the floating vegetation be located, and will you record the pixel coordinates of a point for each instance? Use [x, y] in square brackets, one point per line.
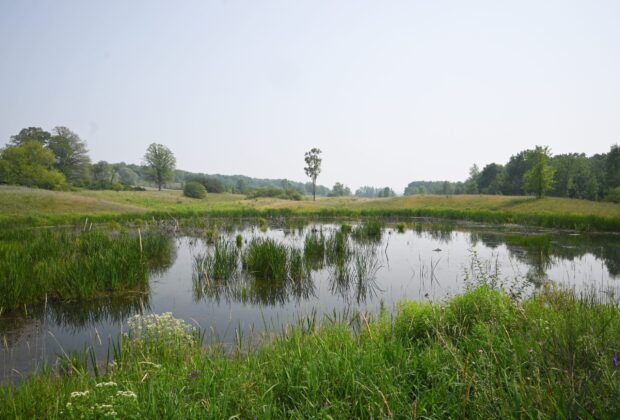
[401, 227]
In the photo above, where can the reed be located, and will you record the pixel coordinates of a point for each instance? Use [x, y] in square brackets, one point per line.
[36, 265]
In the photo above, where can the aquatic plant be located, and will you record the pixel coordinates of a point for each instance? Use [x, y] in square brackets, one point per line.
[368, 230]
[266, 259]
[36, 265]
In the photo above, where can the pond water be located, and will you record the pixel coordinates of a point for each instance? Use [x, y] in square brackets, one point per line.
[426, 261]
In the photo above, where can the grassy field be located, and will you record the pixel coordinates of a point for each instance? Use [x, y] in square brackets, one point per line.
[479, 355]
[31, 206]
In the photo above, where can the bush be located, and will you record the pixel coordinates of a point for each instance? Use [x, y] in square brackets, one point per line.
[194, 189]
[285, 194]
[613, 195]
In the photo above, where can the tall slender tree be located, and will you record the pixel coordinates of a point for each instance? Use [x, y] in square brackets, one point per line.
[313, 168]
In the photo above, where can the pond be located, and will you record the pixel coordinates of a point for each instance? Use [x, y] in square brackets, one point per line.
[365, 271]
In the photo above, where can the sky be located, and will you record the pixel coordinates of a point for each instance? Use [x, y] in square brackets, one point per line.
[391, 91]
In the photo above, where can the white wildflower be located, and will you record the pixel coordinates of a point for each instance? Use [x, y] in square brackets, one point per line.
[76, 394]
[105, 384]
[126, 394]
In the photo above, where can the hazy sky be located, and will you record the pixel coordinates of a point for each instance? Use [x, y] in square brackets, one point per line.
[391, 91]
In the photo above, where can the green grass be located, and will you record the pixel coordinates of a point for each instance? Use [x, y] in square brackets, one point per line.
[480, 355]
[32, 206]
[36, 265]
[266, 259]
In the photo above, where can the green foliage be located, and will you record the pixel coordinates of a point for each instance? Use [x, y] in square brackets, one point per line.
[71, 155]
[161, 163]
[194, 189]
[59, 264]
[29, 164]
[401, 227]
[266, 259]
[539, 178]
[313, 167]
[31, 134]
[275, 193]
[369, 230]
[340, 190]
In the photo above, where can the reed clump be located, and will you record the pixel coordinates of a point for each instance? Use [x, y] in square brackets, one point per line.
[36, 265]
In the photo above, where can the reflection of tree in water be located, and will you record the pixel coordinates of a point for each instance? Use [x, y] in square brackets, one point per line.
[73, 316]
[538, 251]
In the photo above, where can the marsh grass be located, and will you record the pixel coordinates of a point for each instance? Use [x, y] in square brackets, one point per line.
[266, 259]
[481, 354]
[368, 231]
[219, 263]
[314, 250]
[36, 265]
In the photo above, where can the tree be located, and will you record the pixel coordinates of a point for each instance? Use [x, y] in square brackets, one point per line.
[471, 185]
[71, 154]
[31, 134]
[340, 190]
[194, 189]
[386, 192]
[313, 168]
[490, 179]
[514, 171]
[161, 163]
[612, 167]
[539, 178]
[29, 164]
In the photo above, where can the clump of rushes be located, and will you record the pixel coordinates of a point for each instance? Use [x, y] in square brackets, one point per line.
[239, 241]
[369, 230]
[262, 224]
[482, 355]
[266, 259]
[314, 249]
[220, 263]
[59, 264]
[338, 250]
[400, 227]
[346, 228]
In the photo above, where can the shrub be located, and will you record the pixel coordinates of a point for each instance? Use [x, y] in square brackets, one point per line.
[194, 190]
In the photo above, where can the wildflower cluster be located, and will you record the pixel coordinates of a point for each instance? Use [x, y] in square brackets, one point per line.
[105, 401]
[161, 329]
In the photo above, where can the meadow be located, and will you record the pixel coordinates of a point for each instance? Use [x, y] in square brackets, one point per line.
[480, 355]
[26, 206]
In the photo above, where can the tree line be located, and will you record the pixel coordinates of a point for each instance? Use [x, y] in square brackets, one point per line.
[59, 159]
[537, 171]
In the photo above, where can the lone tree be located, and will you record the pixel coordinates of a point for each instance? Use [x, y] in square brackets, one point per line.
[314, 167]
[161, 163]
[539, 178]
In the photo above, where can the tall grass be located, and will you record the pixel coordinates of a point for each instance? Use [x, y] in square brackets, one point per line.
[482, 355]
[266, 259]
[368, 230]
[36, 265]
